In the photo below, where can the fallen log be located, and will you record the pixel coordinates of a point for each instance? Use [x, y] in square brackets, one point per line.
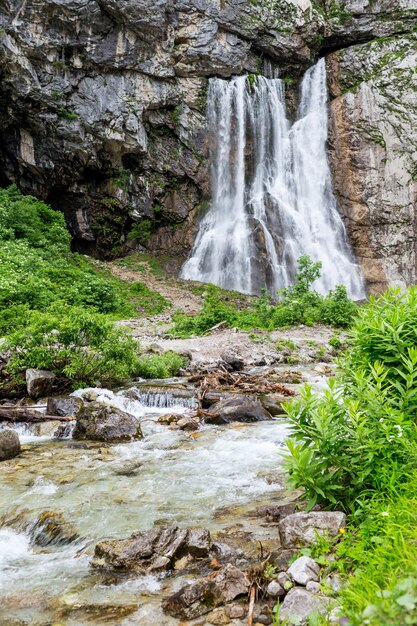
[23, 414]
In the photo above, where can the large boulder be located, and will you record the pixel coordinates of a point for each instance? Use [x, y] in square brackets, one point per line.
[299, 604]
[64, 406]
[153, 550]
[237, 409]
[302, 528]
[9, 444]
[199, 598]
[100, 422]
[39, 382]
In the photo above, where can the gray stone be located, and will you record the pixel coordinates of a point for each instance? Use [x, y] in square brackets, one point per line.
[300, 604]
[274, 590]
[302, 528]
[100, 422]
[285, 581]
[335, 583]
[9, 444]
[304, 570]
[237, 409]
[313, 586]
[39, 382]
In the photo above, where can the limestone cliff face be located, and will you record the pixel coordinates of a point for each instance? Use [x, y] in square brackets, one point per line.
[102, 111]
[374, 154]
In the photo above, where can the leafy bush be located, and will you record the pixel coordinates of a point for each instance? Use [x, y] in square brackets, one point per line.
[355, 447]
[52, 303]
[360, 436]
[298, 304]
[84, 348]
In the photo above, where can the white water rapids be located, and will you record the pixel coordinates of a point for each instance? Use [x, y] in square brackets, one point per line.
[272, 197]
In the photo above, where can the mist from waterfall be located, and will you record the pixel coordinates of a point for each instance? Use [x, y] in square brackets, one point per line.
[272, 197]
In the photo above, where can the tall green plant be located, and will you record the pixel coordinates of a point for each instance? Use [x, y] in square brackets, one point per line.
[360, 436]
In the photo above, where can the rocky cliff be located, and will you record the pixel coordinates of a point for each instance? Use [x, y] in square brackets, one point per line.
[102, 112]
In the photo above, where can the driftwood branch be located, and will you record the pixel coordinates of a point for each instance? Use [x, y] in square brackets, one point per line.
[251, 605]
[24, 414]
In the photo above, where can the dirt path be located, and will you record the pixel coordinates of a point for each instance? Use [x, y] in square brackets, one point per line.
[177, 293]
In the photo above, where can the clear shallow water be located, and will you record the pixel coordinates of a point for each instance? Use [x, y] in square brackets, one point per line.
[111, 491]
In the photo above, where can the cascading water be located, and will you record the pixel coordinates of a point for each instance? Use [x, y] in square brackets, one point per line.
[272, 190]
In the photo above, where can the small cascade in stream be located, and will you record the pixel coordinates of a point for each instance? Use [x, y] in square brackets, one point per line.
[272, 191]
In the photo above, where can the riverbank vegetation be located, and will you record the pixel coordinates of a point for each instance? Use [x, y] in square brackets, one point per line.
[298, 304]
[355, 448]
[57, 308]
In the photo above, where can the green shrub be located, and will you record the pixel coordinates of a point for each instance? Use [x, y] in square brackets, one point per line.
[52, 302]
[83, 348]
[360, 436]
[297, 305]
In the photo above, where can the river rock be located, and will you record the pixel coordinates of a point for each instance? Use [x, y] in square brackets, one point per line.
[303, 570]
[9, 444]
[298, 604]
[153, 550]
[301, 528]
[100, 422]
[39, 382]
[197, 599]
[274, 403]
[237, 409]
[188, 423]
[64, 406]
[52, 528]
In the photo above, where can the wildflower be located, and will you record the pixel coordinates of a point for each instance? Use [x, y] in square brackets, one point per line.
[384, 513]
[342, 531]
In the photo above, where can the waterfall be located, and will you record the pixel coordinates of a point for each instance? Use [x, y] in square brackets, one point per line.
[272, 197]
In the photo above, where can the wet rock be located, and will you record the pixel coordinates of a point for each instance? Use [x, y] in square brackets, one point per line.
[301, 528]
[52, 528]
[303, 570]
[154, 550]
[274, 403]
[299, 604]
[39, 382]
[100, 422]
[274, 590]
[197, 599]
[9, 444]
[237, 409]
[188, 423]
[64, 406]
[49, 428]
